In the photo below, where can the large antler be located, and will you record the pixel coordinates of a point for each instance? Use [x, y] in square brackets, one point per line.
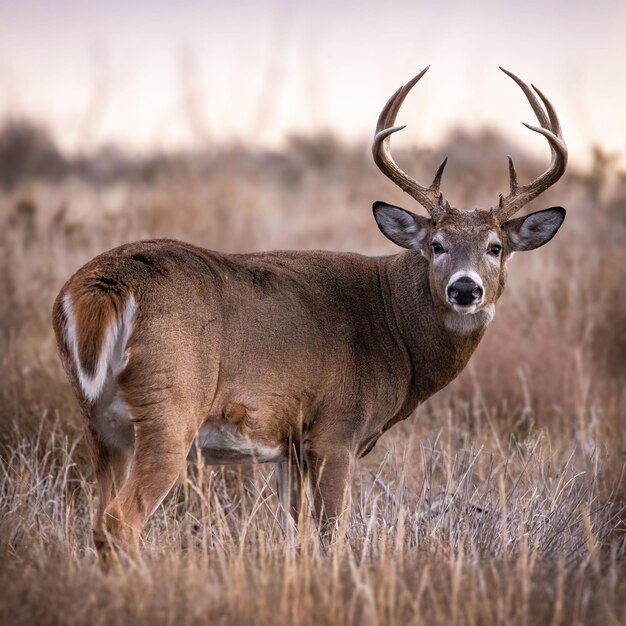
[429, 197]
[551, 130]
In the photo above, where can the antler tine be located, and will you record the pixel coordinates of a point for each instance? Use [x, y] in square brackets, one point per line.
[532, 99]
[438, 174]
[388, 115]
[554, 119]
[428, 197]
[383, 118]
[550, 128]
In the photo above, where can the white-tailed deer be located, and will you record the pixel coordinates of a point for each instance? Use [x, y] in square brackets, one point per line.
[284, 356]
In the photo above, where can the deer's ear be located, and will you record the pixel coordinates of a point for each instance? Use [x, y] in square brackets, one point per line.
[533, 230]
[402, 227]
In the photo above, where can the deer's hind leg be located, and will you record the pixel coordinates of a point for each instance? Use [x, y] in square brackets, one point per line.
[111, 467]
[161, 445]
[111, 461]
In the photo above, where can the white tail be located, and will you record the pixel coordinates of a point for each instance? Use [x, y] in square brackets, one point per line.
[112, 357]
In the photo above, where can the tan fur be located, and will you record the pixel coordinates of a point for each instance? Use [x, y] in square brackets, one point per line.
[319, 349]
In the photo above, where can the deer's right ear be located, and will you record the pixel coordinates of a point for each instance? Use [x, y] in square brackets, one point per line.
[400, 226]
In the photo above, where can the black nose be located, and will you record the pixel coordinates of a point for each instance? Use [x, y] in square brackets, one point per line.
[464, 291]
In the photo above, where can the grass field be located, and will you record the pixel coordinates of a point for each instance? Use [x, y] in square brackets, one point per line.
[501, 501]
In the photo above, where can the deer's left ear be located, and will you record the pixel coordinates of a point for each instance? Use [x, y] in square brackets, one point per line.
[533, 230]
[400, 226]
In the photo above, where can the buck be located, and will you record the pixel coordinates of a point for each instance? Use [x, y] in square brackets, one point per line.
[284, 357]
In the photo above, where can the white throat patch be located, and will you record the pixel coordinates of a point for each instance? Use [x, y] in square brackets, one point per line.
[465, 323]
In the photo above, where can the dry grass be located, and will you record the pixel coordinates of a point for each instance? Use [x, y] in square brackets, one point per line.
[501, 501]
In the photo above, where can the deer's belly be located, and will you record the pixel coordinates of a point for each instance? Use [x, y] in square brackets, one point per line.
[221, 445]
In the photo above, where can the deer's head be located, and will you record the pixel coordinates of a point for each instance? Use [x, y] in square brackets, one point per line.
[467, 251]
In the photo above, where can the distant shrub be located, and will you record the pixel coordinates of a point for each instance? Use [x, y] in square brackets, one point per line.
[27, 150]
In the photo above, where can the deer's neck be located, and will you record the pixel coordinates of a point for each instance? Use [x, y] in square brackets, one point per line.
[435, 348]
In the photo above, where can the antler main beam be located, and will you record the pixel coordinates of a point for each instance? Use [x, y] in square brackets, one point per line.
[429, 197]
[550, 128]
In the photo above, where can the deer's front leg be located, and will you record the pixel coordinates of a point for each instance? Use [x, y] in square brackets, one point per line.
[289, 481]
[330, 464]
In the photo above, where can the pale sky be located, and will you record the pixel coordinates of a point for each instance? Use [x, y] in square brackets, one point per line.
[157, 74]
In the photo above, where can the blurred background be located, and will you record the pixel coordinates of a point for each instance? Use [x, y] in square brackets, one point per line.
[244, 126]
[148, 76]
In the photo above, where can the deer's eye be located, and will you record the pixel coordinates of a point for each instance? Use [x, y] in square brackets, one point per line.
[495, 249]
[437, 247]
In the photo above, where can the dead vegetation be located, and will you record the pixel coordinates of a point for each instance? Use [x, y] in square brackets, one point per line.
[501, 501]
